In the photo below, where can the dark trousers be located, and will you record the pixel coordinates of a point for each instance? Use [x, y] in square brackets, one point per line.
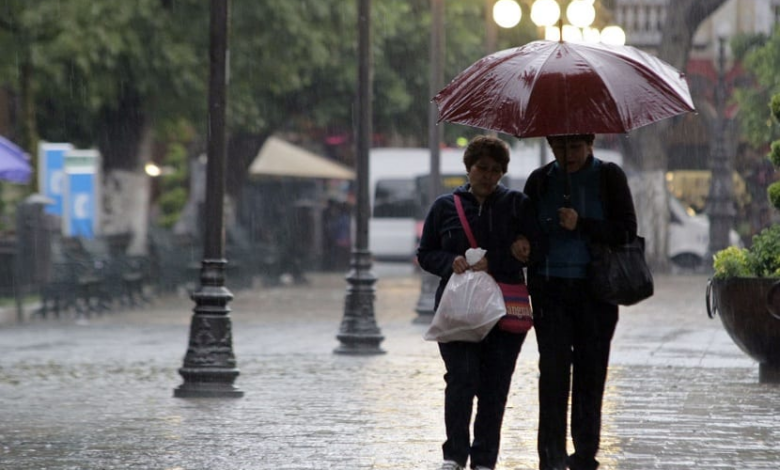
[482, 370]
[574, 333]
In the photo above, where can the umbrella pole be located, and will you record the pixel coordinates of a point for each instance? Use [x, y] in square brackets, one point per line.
[567, 178]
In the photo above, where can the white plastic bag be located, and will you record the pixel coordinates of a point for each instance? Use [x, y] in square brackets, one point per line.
[470, 306]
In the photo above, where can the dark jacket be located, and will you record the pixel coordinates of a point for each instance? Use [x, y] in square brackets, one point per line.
[503, 217]
[619, 224]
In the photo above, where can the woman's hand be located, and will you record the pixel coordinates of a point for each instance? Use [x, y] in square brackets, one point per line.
[481, 265]
[460, 265]
[568, 218]
[521, 249]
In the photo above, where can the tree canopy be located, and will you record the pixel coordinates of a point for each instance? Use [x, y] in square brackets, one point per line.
[761, 61]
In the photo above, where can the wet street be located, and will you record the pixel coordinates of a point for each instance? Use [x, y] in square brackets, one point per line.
[97, 394]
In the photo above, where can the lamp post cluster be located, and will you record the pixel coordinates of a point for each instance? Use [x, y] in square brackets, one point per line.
[546, 14]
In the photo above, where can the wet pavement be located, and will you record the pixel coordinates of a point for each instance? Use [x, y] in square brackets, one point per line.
[97, 394]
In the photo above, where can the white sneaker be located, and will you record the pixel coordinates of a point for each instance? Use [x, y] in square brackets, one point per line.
[450, 465]
[482, 468]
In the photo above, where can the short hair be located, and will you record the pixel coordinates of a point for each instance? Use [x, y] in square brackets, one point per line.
[487, 146]
[588, 138]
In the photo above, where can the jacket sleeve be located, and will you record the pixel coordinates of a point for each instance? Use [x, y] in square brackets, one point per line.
[532, 229]
[430, 253]
[619, 224]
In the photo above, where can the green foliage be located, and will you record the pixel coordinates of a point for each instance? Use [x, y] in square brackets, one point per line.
[174, 181]
[773, 193]
[171, 203]
[742, 44]
[89, 58]
[731, 262]
[764, 254]
[762, 61]
[103, 68]
[762, 259]
[774, 154]
[774, 106]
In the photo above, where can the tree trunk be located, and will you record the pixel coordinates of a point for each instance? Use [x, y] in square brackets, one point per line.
[126, 198]
[29, 134]
[645, 147]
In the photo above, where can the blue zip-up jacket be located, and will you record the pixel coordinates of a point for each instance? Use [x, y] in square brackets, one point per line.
[496, 224]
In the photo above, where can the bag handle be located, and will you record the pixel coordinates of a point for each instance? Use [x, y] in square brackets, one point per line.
[464, 221]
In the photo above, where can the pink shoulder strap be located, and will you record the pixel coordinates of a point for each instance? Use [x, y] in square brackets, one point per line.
[464, 222]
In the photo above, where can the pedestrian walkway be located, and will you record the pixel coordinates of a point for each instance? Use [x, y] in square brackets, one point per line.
[97, 394]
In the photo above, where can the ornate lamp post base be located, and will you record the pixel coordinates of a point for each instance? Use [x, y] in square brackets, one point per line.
[209, 368]
[207, 390]
[359, 333]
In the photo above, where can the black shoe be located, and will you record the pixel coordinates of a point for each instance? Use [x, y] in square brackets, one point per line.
[575, 462]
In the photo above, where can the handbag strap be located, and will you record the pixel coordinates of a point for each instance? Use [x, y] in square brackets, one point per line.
[464, 221]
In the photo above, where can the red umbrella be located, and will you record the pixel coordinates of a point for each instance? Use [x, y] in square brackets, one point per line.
[558, 88]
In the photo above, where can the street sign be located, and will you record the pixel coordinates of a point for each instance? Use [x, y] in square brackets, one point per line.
[81, 200]
[51, 174]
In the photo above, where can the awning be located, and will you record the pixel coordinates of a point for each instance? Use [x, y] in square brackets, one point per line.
[14, 165]
[280, 158]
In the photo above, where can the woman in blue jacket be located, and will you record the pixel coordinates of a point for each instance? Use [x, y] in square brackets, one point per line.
[504, 224]
[578, 199]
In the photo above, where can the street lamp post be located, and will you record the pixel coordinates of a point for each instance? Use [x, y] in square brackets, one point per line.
[720, 205]
[359, 333]
[209, 368]
[429, 282]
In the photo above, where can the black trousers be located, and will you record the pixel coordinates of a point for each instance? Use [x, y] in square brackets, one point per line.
[574, 333]
[482, 370]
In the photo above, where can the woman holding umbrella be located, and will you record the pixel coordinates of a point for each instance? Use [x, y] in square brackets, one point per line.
[579, 199]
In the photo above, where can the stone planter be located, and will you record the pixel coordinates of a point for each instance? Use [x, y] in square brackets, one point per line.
[749, 309]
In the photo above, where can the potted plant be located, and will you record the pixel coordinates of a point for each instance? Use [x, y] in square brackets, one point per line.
[745, 288]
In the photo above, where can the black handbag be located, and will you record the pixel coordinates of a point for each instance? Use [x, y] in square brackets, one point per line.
[618, 274]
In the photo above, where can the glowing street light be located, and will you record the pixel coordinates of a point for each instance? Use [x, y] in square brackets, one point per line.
[580, 13]
[507, 13]
[613, 35]
[547, 14]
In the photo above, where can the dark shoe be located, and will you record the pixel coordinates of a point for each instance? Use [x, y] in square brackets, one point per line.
[575, 462]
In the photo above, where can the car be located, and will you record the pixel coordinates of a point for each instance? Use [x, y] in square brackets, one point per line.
[689, 236]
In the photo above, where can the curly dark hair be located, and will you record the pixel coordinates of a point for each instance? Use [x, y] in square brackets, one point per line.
[487, 146]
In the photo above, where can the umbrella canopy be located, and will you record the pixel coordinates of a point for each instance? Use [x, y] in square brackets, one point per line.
[14, 166]
[557, 88]
[280, 158]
